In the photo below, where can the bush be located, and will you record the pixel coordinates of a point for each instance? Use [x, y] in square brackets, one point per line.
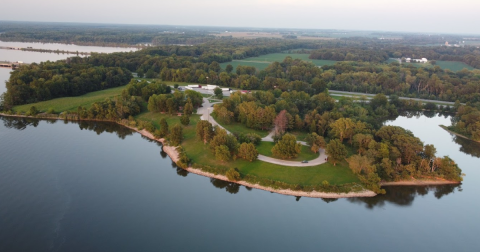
[50, 111]
[185, 120]
[233, 174]
[32, 111]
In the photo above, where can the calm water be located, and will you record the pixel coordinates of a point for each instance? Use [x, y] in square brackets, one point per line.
[99, 187]
[4, 75]
[67, 47]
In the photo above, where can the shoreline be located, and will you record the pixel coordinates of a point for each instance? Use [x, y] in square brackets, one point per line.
[456, 134]
[420, 182]
[173, 154]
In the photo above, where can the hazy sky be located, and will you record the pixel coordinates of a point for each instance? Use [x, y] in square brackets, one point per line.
[436, 16]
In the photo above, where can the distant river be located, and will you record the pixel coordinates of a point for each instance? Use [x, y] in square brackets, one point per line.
[100, 187]
[37, 57]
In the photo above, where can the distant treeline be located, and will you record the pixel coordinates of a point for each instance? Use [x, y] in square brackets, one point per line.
[200, 64]
[350, 54]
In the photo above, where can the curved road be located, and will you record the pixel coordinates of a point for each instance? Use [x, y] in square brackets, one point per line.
[207, 109]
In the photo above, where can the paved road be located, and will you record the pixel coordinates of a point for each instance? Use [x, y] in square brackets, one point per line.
[345, 93]
[207, 109]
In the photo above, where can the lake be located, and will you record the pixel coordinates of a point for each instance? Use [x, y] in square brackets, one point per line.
[99, 187]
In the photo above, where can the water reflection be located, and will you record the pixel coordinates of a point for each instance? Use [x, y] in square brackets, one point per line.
[398, 195]
[232, 188]
[404, 195]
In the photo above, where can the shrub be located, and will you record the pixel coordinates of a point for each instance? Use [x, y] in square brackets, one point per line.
[233, 174]
[32, 111]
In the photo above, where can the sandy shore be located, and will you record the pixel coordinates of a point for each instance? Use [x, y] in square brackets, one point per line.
[173, 154]
[419, 182]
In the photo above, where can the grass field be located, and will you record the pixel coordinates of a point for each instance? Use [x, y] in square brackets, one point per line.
[265, 148]
[335, 175]
[453, 65]
[263, 61]
[72, 103]
[200, 154]
[236, 127]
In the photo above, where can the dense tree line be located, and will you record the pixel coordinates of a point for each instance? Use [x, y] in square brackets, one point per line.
[350, 54]
[48, 80]
[467, 122]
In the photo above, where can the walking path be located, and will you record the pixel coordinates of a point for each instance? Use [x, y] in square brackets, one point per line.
[207, 109]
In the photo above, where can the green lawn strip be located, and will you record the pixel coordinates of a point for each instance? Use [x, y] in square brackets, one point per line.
[300, 135]
[335, 175]
[265, 148]
[236, 127]
[72, 103]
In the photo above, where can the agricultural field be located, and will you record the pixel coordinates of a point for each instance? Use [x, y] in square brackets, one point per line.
[261, 62]
[453, 65]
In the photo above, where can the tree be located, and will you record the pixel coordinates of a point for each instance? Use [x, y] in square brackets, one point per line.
[336, 151]
[222, 153]
[176, 136]
[378, 100]
[175, 86]
[360, 164]
[185, 120]
[218, 92]
[223, 114]
[32, 111]
[223, 138]
[343, 128]
[204, 131]
[188, 109]
[170, 106]
[233, 174]
[281, 122]
[287, 147]
[163, 128]
[315, 142]
[248, 152]
[229, 68]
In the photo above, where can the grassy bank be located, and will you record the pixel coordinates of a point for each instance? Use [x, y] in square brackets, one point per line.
[72, 103]
[265, 148]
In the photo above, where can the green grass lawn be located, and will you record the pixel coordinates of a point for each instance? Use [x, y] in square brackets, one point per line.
[72, 103]
[335, 175]
[236, 127]
[265, 148]
[261, 62]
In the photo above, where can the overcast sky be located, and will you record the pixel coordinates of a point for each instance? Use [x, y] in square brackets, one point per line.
[436, 16]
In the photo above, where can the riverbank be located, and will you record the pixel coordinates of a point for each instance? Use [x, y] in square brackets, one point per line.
[173, 154]
[420, 182]
[456, 134]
